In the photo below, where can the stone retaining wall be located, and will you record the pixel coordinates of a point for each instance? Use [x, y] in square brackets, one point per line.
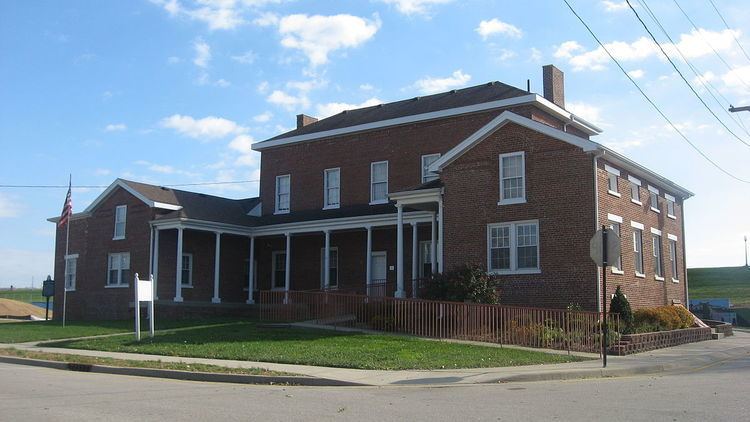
[636, 343]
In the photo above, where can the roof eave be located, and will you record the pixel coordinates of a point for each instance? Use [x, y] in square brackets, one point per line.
[640, 170]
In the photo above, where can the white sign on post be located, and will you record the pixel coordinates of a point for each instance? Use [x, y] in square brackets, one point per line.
[596, 247]
[144, 292]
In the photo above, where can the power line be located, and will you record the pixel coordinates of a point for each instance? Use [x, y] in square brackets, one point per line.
[705, 82]
[650, 101]
[669, 59]
[233, 182]
[730, 29]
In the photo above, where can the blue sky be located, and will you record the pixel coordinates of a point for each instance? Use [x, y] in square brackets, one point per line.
[173, 92]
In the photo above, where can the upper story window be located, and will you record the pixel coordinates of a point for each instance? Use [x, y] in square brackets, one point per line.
[512, 178]
[513, 248]
[379, 182]
[653, 198]
[283, 185]
[427, 160]
[612, 176]
[121, 215]
[670, 205]
[118, 274]
[615, 223]
[673, 257]
[635, 190]
[71, 268]
[331, 188]
[637, 248]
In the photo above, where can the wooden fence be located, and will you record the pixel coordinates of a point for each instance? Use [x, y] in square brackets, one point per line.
[531, 327]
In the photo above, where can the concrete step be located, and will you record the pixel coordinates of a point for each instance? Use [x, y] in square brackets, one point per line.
[716, 336]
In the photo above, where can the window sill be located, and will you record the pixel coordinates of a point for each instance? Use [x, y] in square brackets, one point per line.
[639, 275]
[613, 193]
[672, 216]
[186, 286]
[280, 212]
[515, 272]
[639, 203]
[331, 207]
[118, 238]
[619, 272]
[511, 201]
[117, 286]
[656, 210]
[675, 281]
[657, 278]
[278, 289]
[379, 202]
[70, 290]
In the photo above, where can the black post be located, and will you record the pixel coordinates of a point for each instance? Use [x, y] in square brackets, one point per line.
[604, 296]
[46, 313]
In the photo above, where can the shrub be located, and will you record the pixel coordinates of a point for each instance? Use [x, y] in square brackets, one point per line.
[469, 283]
[662, 318]
[620, 305]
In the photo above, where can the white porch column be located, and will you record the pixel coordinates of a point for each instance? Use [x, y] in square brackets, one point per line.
[433, 244]
[217, 269]
[368, 259]
[155, 263]
[440, 236]
[178, 274]
[287, 269]
[400, 252]
[327, 261]
[414, 259]
[251, 275]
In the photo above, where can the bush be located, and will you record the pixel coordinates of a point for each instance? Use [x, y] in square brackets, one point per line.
[620, 305]
[662, 318]
[466, 284]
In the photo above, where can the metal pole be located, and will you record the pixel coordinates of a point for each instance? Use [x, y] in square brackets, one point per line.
[67, 244]
[746, 252]
[46, 312]
[604, 296]
[137, 311]
[151, 317]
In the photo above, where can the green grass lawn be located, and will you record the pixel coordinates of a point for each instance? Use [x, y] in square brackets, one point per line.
[715, 283]
[250, 341]
[24, 295]
[19, 332]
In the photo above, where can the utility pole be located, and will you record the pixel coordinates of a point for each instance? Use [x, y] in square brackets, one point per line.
[734, 109]
[748, 266]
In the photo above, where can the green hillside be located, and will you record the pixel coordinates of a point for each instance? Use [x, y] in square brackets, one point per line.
[731, 282]
[23, 295]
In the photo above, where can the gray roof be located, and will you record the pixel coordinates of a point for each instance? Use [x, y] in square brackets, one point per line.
[491, 91]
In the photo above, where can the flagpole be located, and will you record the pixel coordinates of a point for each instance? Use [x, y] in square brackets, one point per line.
[67, 244]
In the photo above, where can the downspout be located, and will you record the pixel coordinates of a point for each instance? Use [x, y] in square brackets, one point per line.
[684, 253]
[596, 227]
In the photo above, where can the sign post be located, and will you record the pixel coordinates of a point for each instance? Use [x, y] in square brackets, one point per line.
[48, 290]
[603, 245]
[144, 292]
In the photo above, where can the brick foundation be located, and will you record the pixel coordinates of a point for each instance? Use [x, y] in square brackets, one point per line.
[637, 343]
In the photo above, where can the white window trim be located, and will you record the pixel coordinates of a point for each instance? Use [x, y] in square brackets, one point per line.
[431, 176]
[671, 199]
[655, 231]
[651, 205]
[372, 184]
[640, 227]
[513, 248]
[613, 171]
[615, 218]
[120, 285]
[322, 263]
[637, 225]
[276, 195]
[510, 201]
[274, 255]
[672, 238]
[189, 284]
[326, 205]
[634, 180]
[124, 222]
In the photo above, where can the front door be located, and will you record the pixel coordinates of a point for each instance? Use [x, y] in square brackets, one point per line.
[379, 267]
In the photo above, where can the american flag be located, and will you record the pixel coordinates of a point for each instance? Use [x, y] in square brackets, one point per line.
[67, 210]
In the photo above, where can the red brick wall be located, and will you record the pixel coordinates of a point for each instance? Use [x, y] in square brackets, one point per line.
[559, 193]
[646, 291]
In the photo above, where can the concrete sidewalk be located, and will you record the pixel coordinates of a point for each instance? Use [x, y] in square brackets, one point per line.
[685, 358]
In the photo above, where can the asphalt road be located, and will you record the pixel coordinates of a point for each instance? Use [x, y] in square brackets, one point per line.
[715, 393]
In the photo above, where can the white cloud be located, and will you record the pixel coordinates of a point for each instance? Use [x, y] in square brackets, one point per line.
[202, 53]
[566, 49]
[366, 87]
[614, 6]
[173, 59]
[163, 168]
[263, 87]
[506, 54]
[263, 117]
[102, 172]
[288, 101]
[329, 109]
[536, 55]
[247, 57]
[222, 83]
[206, 128]
[317, 36]
[704, 78]
[115, 127]
[587, 111]
[637, 73]
[737, 79]
[9, 208]
[266, 19]
[217, 14]
[415, 7]
[241, 143]
[432, 85]
[496, 26]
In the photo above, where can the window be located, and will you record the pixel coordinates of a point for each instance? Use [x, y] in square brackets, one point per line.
[615, 225]
[670, 205]
[427, 160]
[278, 277]
[673, 257]
[658, 264]
[333, 265]
[638, 248]
[513, 248]
[613, 174]
[71, 263]
[332, 188]
[121, 213]
[512, 178]
[635, 190]
[187, 270]
[119, 269]
[282, 194]
[653, 198]
[379, 182]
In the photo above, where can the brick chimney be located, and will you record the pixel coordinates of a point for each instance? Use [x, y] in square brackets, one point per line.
[304, 120]
[553, 81]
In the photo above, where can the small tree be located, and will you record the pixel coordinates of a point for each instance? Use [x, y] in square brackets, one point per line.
[620, 305]
[468, 283]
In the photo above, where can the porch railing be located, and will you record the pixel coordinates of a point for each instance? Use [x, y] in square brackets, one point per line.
[531, 327]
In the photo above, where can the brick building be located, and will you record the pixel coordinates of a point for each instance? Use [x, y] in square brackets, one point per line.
[371, 200]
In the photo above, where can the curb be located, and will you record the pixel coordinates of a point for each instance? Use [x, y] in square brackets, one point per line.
[180, 375]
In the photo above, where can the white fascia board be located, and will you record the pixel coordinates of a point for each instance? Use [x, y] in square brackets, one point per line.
[165, 206]
[632, 167]
[500, 121]
[574, 120]
[76, 216]
[119, 183]
[346, 223]
[615, 218]
[671, 237]
[416, 195]
[202, 225]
